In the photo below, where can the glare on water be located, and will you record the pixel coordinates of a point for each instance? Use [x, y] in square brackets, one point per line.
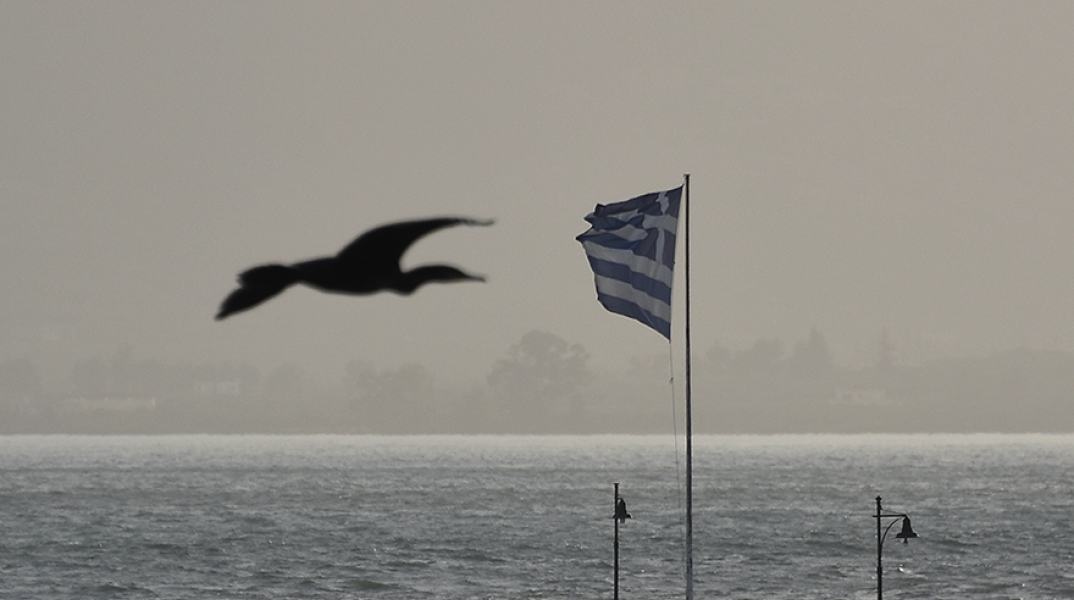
[530, 517]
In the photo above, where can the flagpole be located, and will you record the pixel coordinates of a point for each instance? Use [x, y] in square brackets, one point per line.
[612, 247]
[689, 386]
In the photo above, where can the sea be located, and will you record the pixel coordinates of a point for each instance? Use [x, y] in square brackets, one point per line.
[490, 517]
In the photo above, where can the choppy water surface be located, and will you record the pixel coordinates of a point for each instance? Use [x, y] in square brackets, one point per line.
[529, 517]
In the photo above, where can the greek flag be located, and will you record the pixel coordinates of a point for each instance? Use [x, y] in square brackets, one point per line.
[631, 248]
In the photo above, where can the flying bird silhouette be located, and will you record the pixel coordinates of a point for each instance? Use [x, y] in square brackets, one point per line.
[367, 265]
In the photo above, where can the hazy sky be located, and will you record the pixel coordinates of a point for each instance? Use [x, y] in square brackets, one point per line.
[855, 166]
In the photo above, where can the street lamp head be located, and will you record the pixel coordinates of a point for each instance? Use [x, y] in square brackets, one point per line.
[907, 531]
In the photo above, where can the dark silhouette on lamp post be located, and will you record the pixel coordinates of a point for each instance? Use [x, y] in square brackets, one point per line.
[905, 535]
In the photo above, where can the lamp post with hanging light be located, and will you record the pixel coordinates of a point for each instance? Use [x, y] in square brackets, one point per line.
[620, 516]
[905, 535]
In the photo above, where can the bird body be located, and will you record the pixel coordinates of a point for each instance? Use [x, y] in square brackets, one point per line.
[367, 265]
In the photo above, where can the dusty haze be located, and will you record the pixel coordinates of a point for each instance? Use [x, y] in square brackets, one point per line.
[857, 168]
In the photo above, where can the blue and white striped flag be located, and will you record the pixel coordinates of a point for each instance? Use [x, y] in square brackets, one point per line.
[631, 247]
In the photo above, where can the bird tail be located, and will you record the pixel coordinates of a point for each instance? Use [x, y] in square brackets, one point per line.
[257, 285]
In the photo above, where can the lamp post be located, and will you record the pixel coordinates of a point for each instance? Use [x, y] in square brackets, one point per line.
[905, 535]
[620, 516]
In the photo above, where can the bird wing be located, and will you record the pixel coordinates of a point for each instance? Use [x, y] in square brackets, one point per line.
[386, 244]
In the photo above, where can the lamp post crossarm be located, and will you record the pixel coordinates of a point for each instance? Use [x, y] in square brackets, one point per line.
[890, 525]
